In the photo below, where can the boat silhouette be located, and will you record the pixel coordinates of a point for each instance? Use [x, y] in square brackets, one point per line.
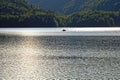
[63, 30]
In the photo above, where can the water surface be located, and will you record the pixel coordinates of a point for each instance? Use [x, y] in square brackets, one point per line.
[59, 57]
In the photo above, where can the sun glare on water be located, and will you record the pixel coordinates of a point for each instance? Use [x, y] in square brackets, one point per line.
[59, 31]
[28, 33]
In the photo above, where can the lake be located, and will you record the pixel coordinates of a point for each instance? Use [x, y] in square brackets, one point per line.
[59, 57]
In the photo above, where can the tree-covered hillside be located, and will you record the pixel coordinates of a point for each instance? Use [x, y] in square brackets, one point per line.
[70, 6]
[94, 19]
[53, 5]
[18, 13]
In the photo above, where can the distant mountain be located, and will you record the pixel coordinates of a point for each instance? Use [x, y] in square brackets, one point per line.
[94, 19]
[18, 13]
[53, 5]
[13, 7]
[70, 6]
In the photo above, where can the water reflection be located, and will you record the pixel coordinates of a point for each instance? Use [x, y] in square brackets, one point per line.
[49, 58]
[28, 59]
[18, 63]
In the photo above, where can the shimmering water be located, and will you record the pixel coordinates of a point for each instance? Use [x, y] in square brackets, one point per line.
[59, 58]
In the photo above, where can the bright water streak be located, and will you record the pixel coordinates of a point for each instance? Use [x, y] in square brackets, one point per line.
[59, 57]
[59, 31]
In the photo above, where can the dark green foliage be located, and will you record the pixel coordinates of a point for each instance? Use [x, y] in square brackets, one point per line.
[94, 19]
[71, 6]
[41, 20]
[54, 5]
[18, 13]
[14, 7]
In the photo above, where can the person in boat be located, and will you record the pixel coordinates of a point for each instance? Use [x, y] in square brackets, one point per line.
[63, 30]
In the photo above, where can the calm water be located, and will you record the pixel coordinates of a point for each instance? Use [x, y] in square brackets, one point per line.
[59, 58]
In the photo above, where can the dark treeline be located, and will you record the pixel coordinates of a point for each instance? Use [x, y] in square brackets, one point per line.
[33, 20]
[18, 13]
[94, 19]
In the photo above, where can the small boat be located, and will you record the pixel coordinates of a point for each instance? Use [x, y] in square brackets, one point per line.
[63, 30]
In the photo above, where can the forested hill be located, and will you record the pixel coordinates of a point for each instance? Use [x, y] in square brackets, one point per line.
[70, 6]
[19, 13]
[94, 19]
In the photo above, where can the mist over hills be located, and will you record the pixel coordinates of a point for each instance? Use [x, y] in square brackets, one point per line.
[70, 6]
[78, 13]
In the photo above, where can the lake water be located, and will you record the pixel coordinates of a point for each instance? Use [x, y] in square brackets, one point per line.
[59, 57]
